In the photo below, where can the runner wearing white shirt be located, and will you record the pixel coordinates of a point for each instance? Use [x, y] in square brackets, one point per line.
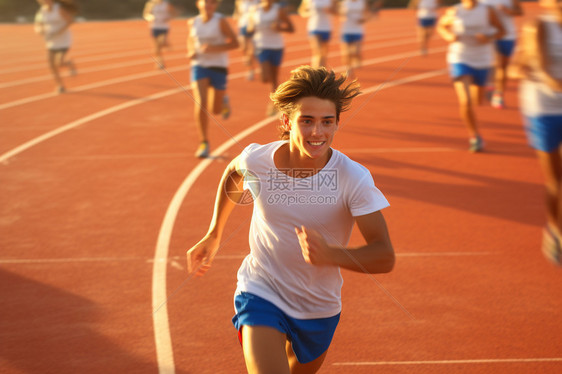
[52, 21]
[158, 13]
[242, 12]
[307, 198]
[354, 14]
[540, 61]
[267, 21]
[427, 14]
[470, 28]
[506, 10]
[319, 27]
[209, 39]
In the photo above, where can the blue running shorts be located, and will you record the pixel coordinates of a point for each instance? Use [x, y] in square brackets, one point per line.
[479, 76]
[505, 47]
[310, 338]
[324, 36]
[351, 38]
[157, 32]
[427, 22]
[216, 75]
[273, 56]
[544, 133]
[243, 31]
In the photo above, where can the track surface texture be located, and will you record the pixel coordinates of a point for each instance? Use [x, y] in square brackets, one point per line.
[100, 197]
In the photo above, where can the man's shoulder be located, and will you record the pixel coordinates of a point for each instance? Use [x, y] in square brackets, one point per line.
[348, 166]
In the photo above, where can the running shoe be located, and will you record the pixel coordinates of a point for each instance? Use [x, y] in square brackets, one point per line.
[497, 101]
[475, 144]
[60, 90]
[250, 75]
[225, 107]
[203, 150]
[551, 247]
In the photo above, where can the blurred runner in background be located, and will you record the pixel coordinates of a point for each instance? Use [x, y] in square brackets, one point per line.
[241, 12]
[209, 39]
[52, 21]
[540, 63]
[426, 11]
[158, 13]
[266, 22]
[319, 27]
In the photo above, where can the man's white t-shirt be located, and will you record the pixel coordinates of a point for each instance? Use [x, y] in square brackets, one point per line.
[327, 202]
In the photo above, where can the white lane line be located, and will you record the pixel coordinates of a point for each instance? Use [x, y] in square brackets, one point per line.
[163, 340]
[86, 87]
[453, 362]
[33, 142]
[86, 55]
[80, 60]
[164, 351]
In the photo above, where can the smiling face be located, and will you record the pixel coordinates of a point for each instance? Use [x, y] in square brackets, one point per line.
[312, 128]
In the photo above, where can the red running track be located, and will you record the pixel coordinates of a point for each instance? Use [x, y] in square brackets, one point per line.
[100, 197]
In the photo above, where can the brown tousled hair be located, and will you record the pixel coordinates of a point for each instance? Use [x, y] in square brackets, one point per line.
[322, 83]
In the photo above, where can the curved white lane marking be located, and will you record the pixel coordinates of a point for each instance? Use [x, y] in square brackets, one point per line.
[164, 351]
[33, 142]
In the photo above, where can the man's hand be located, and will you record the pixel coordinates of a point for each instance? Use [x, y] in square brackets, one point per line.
[314, 248]
[200, 256]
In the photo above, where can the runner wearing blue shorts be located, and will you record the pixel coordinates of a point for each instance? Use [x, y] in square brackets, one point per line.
[319, 27]
[242, 12]
[427, 14]
[307, 197]
[506, 11]
[354, 14]
[470, 28]
[210, 37]
[267, 21]
[540, 62]
[158, 13]
[53, 21]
